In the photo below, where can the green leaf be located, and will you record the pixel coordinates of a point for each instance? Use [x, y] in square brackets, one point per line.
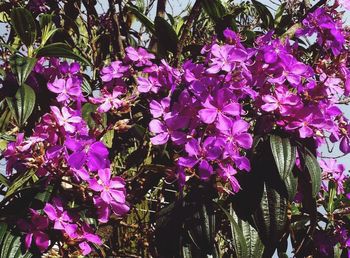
[5, 118]
[19, 183]
[166, 35]
[255, 247]
[10, 244]
[264, 14]
[22, 67]
[107, 138]
[291, 183]
[142, 18]
[270, 218]
[87, 112]
[59, 49]
[22, 104]
[240, 243]
[284, 154]
[24, 25]
[314, 170]
[279, 13]
[86, 87]
[214, 9]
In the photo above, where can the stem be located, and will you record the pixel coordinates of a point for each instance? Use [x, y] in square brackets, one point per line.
[118, 47]
[194, 14]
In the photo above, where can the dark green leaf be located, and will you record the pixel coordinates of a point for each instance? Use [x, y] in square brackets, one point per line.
[5, 117]
[314, 169]
[61, 50]
[20, 182]
[86, 87]
[291, 183]
[45, 19]
[166, 36]
[279, 13]
[142, 18]
[264, 14]
[22, 67]
[214, 9]
[4, 181]
[284, 154]
[24, 25]
[255, 247]
[270, 219]
[10, 244]
[237, 233]
[22, 104]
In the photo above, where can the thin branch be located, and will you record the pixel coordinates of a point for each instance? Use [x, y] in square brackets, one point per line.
[194, 14]
[118, 46]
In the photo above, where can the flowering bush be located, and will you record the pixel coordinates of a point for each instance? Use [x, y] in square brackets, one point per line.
[174, 145]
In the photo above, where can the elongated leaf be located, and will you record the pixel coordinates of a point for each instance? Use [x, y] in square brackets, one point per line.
[214, 9]
[142, 18]
[5, 119]
[271, 218]
[22, 67]
[24, 25]
[284, 154]
[59, 49]
[314, 170]
[279, 13]
[291, 183]
[237, 233]
[255, 247]
[264, 14]
[20, 182]
[22, 105]
[10, 244]
[166, 35]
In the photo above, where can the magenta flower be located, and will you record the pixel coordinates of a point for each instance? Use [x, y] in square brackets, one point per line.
[227, 172]
[140, 56]
[35, 231]
[87, 237]
[158, 109]
[306, 123]
[148, 84]
[66, 89]
[111, 189]
[113, 71]
[284, 101]
[66, 118]
[218, 109]
[108, 101]
[225, 58]
[333, 170]
[62, 220]
[87, 151]
[201, 155]
[291, 70]
[169, 129]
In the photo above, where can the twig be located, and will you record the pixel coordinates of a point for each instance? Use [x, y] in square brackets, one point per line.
[118, 46]
[195, 12]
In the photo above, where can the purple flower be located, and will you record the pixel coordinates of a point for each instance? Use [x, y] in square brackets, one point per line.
[169, 129]
[87, 151]
[284, 101]
[108, 101]
[66, 89]
[291, 70]
[333, 170]
[201, 155]
[140, 56]
[158, 109]
[111, 189]
[87, 237]
[61, 218]
[35, 231]
[148, 84]
[224, 58]
[227, 172]
[217, 109]
[66, 118]
[113, 71]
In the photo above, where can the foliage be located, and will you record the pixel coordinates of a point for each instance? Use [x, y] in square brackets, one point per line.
[180, 136]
